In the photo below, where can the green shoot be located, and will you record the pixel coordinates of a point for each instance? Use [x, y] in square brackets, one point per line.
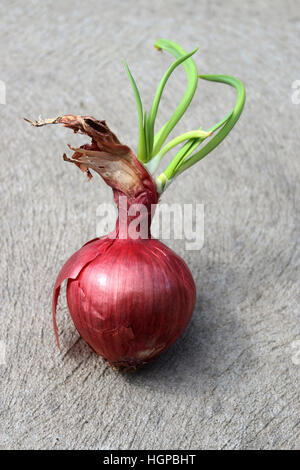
[229, 121]
[158, 94]
[150, 146]
[192, 75]
[142, 153]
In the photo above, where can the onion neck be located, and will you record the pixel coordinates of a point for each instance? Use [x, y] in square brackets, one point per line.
[135, 214]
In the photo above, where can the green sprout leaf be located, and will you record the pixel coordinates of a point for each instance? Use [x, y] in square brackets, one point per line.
[192, 75]
[142, 152]
[158, 94]
[189, 148]
[227, 123]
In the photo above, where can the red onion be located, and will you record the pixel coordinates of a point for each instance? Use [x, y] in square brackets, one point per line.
[129, 299]
[130, 296]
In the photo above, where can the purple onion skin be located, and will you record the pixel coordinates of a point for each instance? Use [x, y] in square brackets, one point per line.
[129, 299]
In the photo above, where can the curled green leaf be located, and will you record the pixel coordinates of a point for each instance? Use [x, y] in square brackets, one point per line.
[229, 121]
[192, 75]
[159, 91]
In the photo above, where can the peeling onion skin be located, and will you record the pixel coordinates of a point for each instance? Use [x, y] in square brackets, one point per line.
[129, 298]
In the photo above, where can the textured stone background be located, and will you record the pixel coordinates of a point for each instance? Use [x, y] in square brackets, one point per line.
[232, 380]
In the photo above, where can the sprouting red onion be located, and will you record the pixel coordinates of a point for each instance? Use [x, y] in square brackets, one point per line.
[130, 297]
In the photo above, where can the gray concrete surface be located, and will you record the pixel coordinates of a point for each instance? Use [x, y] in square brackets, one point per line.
[232, 380]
